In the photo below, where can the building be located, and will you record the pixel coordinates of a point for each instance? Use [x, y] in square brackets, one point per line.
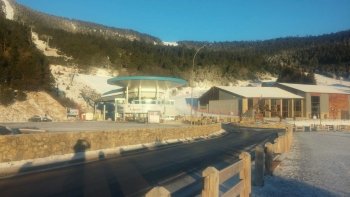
[285, 100]
[251, 101]
[138, 96]
[320, 101]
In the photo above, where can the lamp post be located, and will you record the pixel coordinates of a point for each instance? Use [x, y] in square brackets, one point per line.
[194, 58]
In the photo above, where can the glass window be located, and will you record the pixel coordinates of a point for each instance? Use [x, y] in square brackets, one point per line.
[274, 110]
[297, 108]
[285, 113]
[250, 103]
[315, 106]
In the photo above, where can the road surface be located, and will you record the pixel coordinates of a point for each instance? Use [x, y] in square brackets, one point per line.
[133, 174]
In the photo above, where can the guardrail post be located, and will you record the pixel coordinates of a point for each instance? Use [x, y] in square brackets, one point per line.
[245, 174]
[268, 158]
[211, 182]
[259, 166]
[158, 192]
[276, 145]
[285, 143]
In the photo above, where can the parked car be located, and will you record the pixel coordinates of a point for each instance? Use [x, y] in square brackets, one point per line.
[37, 118]
[8, 131]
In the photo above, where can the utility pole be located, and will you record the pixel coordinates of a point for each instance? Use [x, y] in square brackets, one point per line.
[191, 84]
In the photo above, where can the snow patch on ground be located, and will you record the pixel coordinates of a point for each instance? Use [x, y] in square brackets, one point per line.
[74, 84]
[37, 103]
[170, 43]
[96, 82]
[183, 97]
[9, 11]
[318, 165]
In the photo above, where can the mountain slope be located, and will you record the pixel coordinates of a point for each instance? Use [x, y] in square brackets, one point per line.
[39, 19]
[37, 103]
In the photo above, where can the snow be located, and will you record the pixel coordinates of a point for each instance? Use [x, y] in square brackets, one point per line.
[98, 83]
[37, 103]
[9, 11]
[313, 88]
[323, 80]
[73, 84]
[318, 165]
[322, 122]
[257, 92]
[170, 43]
[182, 99]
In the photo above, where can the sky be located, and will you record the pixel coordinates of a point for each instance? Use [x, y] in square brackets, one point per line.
[208, 20]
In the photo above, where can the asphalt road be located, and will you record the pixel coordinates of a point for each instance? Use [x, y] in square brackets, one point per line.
[133, 174]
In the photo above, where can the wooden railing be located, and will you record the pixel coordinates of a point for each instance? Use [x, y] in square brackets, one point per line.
[213, 178]
[263, 166]
[264, 156]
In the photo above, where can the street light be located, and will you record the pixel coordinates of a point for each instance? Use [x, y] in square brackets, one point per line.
[194, 57]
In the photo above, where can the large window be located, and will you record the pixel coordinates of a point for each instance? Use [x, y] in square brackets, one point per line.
[250, 104]
[315, 106]
[274, 108]
[297, 108]
[285, 108]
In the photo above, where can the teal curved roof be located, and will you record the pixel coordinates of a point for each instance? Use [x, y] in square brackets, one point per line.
[147, 81]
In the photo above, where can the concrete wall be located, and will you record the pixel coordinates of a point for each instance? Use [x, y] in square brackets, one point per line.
[324, 105]
[31, 146]
[224, 95]
[307, 105]
[227, 107]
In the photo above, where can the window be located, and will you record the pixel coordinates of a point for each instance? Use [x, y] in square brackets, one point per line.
[285, 108]
[315, 106]
[297, 108]
[274, 108]
[250, 103]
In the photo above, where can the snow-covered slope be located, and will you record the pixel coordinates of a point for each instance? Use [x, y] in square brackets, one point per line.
[8, 9]
[37, 103]
[76, 85]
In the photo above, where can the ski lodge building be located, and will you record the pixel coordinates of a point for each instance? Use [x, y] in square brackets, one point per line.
[142, 97]
[284, 101]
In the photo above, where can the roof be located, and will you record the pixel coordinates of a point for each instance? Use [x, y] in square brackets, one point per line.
[147, 81]
[314, 88]
[260, 92]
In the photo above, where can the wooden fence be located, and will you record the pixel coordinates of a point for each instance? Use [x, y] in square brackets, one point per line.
[213, 178]
[263, 166]
[282, 144]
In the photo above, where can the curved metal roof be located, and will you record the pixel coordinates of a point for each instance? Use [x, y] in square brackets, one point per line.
[147, 81]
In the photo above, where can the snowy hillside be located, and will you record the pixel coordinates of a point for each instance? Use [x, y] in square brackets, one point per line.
[8, 10]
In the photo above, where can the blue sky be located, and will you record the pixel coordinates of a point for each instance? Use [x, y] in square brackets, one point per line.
[208, 20]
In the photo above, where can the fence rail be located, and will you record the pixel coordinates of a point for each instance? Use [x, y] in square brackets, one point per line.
[263, 161]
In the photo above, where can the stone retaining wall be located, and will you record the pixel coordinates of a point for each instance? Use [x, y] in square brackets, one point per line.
[31, 146]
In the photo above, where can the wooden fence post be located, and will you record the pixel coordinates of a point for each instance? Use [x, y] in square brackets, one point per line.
[277, 145]
[245, 174]
[211, 182]
[158, 192]
[259, 166]
[268, 158]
